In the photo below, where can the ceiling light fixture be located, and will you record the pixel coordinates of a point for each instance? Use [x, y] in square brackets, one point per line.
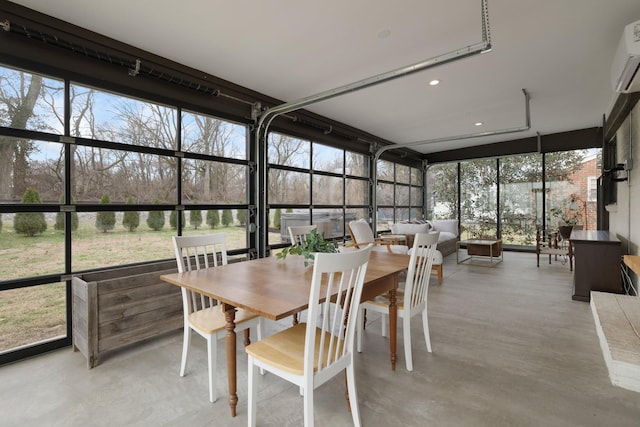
[478, 123]
[434, 82]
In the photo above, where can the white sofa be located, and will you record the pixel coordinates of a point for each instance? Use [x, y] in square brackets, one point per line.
[448, 229]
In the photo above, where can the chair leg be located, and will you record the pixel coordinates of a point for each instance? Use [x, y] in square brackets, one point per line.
[438, 269]
[185, 349]
[425, 328]
[406, 337]
[353, 395]
[212, 354]
[359, 330]
[308, 405]
[252, 392]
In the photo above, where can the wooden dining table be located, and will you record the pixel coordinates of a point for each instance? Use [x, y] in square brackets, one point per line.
[276, 289]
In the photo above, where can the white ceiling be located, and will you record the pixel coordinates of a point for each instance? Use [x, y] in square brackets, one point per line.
[560, 51]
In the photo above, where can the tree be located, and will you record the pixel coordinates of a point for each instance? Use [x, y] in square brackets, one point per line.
[195, 218]
[105, 221]
[213, 218]
[276, 218]
[227, 217]
[131, 219]
[155, 220]
[59, 225]
[30, 224]
[173, 219]
[241, 216]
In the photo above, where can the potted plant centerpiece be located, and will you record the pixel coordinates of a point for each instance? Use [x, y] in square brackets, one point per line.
[314, 242]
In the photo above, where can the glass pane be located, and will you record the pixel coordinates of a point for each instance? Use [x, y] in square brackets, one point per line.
[208, 135]
[357, 164]
[442, 191]
[18, 88]
[416, 196]
[205, 181]
[403, 174]
[357, 192]
[327, 190]
[402, 195]
[288, 187]
[416, 176]
[230, 222]
[330, 222]
[106, 239]
[520, 189]
[478, 197]
[417, 213]
[125, 177]
[402, 214]
[282, 219]
[30, 245]
[37, 165]
[328, 159]
[385, 170]
[288, 151]
[31, 315]
[385, 218]
[567, 195]
[385, 194]
[108, 116]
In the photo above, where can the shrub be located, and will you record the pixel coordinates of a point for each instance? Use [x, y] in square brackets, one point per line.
[59, 225]
[227, 217]
[173, 219]
[30, 224]
[131, 219]
[213, 218]
[241, 216]
[276, 218]
[195, 218]
[105, 221]
[155, 220]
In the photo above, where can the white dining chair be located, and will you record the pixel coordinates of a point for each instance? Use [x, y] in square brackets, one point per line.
[412, 300]
[202, 314]
[298, 233]
[309, 354]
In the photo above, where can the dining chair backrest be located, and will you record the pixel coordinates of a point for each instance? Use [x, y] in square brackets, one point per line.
[342, 274]
[196, 252]
[298, 233]
[361, 232]
[419, 272]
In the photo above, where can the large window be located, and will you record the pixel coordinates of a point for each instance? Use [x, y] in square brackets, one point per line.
[112, 190]
[399, 194]
[313, 183]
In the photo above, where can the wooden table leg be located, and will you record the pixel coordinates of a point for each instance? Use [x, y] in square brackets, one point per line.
[229, 315]
[393, 325]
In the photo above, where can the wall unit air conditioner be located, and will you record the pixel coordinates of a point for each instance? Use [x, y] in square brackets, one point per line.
[625, 76]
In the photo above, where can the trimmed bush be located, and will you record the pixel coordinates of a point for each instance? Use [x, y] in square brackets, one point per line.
[131, 219]
[105, 221]
[30, 224]
[241, 216]
[155, 220]
[213, 218]
[195, 218]
[227, 217]
[173, 219]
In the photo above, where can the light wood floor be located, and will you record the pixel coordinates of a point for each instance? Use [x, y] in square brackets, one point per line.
[510, 348]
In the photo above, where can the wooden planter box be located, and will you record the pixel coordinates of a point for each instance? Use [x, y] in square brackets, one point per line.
[114, 308]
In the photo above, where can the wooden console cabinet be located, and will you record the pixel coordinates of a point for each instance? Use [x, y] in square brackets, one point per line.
[598, 258]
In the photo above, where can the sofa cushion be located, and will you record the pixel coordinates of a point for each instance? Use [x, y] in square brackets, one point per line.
[402, 228]
[445, 235]
[447, 225]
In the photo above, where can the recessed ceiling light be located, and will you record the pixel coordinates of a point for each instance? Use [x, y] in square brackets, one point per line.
[434, 82]
[478, 123]
[383, 34]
